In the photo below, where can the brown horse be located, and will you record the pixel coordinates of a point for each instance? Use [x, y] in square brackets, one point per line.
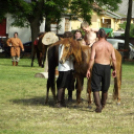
[81, 64]
[81, 55]
[41, 50]
[52, 56]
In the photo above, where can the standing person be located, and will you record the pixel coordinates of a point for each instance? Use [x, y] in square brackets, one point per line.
[90, 34]
[78, 37]
[101, 55]
[15, 44]
[65, 79]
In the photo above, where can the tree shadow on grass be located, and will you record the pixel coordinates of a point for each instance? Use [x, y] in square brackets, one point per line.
[37, 101]
[128, 63]
[40, 101]
[6, 64]
[25, 66]
[3, 64]
[127, 114]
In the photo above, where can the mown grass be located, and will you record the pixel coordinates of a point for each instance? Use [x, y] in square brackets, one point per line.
[22, 109]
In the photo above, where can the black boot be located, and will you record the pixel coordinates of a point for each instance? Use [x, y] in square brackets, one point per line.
[60, 97]
[69, 95]
[97, 102]
[103, 99]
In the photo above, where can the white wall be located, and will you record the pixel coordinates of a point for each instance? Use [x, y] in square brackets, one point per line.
[42, 26]
[62, 26]
[24, 33]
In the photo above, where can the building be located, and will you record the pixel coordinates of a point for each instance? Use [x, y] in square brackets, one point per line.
[25, 33]
[107, 19]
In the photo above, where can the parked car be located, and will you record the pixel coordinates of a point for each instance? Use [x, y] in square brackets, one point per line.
[119, 44]
[28, 47]
[1, 48]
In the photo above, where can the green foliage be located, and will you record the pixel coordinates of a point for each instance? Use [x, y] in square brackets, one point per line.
[109, 4]
[25, 12]
[3, 9]
[82, 8]
[131, 32]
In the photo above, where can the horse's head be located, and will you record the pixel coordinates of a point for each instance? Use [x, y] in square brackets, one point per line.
[69, 48]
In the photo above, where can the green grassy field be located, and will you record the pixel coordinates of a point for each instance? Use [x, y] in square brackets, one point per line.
[22, 109]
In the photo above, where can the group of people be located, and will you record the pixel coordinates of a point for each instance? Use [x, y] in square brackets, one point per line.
[102, 53]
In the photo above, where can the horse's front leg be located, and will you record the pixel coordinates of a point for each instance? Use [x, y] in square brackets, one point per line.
[89, 92]
[79, 89]
[47, 93]
[117, 87]
[33, 56]
[44, 52]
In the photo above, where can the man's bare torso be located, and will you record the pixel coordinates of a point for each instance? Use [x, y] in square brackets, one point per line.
[91, 37]
[103, 52]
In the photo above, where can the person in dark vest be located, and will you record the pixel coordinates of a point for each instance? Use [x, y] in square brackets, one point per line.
[101, 55]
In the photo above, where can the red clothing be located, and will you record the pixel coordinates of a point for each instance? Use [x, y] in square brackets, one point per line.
[36, 42]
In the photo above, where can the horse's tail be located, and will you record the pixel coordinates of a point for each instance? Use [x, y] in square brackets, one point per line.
[121, 71]
[117, 82]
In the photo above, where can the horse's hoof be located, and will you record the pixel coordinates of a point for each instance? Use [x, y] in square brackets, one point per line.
[98, 110]
[118, 103]
[46, 102]
[58, 105]
[90, 107]
[77, 105]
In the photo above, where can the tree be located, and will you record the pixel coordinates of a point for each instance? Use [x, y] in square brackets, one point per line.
[131, 31]
[129, 16]
[84, 8]
[31, 12]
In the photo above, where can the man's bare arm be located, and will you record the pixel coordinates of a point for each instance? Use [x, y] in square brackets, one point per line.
[9, 42]
[91, 62]
[94, 30]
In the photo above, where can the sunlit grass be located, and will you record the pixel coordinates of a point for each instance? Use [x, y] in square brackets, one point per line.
[22, 109]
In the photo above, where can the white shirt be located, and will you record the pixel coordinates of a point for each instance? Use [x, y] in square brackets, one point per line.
[68, 65]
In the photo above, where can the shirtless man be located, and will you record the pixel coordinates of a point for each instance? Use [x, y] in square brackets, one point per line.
[90, 34]
[101, 55]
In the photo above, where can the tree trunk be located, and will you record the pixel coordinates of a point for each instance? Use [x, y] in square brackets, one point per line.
[129, 15]
[35, 25]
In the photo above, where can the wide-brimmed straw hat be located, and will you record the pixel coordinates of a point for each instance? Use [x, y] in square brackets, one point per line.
[49, 38]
